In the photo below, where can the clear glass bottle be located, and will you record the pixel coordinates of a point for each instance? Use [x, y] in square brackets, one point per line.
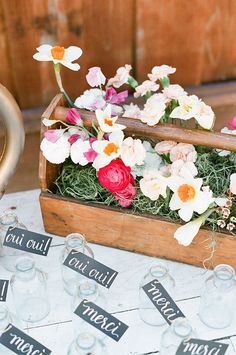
[179, 330]
[87, 344]
[71, 278]
[5, 318]
[29, 288]
[9, 255]
[147, 311]
[90, 291]
[218, 298]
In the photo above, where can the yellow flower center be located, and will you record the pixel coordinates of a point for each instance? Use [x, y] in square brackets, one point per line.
[108, 121]
[187, 107]
[110, 148]
[58, 53]
[186, 192]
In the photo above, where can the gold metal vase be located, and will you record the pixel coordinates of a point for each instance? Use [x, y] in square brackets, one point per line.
[14, 137]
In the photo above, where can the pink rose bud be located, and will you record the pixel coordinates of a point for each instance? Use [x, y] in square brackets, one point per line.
[73, 117]
[52, 135]
[232, 123]
[95, 77]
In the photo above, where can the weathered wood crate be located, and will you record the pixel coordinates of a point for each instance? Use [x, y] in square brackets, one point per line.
[119, 228]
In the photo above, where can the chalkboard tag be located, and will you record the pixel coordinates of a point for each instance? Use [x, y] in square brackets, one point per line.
[101, 320]
[199, 346]
[25, 240]
[91, 268]
[21, 343]
[162, 301]
[3, 290]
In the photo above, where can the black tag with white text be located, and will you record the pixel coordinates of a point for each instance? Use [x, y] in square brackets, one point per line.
[199, 346]
[25, 240]
[101, 320]
[162, 301]
[21, 343]
[90, 268]
[3, 290]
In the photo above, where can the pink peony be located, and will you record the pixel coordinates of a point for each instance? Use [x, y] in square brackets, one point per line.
[232, 123]
[73, 117]
[95, 77]
[164, 147]
[183, 151]
[233, 184]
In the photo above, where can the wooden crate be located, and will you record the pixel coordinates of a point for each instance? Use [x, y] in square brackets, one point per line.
[119, 228]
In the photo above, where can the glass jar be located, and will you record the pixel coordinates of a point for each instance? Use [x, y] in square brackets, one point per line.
[218, 298]
[9, 255]
[90, 291]
[179, 330]
[5, 318]
[70, 277]
[87, 344]
[147, 311]
[29, 290]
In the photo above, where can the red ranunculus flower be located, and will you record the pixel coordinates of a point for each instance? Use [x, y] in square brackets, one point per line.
[115, 176]
[126, 196]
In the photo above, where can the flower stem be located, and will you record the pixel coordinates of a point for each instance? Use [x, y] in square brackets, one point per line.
[132, 82]
[59, 83]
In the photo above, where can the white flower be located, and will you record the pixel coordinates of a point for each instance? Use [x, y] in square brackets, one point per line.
[224, 153]
[183, 169]
[153, 184]
[64, 56]
[121, 77]
[156, 99]
[233, 184]
[116, 110]
[132, 152]
[77, 152]
[57, 152]
[106, 122]
[188, 197]
[152, 161]
[188, 106]
[221, 201]
[107, 150]
[160, 72]
[186, 233]
[174, 92]
[152, 112]
[145, 87]
[92, 100]
[131, 111]
[204, 115]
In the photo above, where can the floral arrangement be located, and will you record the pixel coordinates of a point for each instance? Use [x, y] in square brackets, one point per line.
[176, 180]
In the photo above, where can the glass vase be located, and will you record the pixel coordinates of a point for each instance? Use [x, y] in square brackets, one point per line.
[70, 277]
[218, 298]
[29, 290]
[5, 318]
[147, 311]
[87, 344]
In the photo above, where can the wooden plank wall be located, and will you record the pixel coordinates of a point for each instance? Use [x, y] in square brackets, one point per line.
[195, 36]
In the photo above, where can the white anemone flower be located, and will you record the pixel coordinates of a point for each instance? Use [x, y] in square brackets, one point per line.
[153, 184]
[64, 56]
[106, 122]
[107, 150]
[188, 196]
[57, 152]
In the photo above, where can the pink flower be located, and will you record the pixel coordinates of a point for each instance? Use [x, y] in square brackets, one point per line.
[183, 151]
[90, 155]
[232, 123]
[115, 98]
[233, 184]
[95, 77]
[73, 117]
[126, 196]
[164, 147]
[52, 135]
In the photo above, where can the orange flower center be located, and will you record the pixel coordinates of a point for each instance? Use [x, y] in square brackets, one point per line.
[186, 192]
[58, 53]
[110, 148]
[108, 121]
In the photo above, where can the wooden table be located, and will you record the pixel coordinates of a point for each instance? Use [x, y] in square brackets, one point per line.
[56, 331]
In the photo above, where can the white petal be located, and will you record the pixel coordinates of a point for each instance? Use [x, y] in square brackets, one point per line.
[99, 146]
[42, 57]
[117, 137]
[202, 202]
[186, 213]
[44, 48]
[175, 203]
[101, 161]
[72, 66]
[174, 182]
[77, 152]
[72, 53]
[56, 152]
[46, 122]
[186, 233]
